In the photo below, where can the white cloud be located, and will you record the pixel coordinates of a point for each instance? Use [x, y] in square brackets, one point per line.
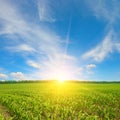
[33, 37]
[21, 48]
[90, 66]
[33, 64]
[117, 46]
[45, 10]
[57, 67]
[3, 76]
[102, 50]
[43, 43]
[89, 70]
[105, 9]
[10, 18]
[43, 40]
[18, 76]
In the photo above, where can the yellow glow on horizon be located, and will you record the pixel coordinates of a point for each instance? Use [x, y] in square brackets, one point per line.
[61, 80]
[59, 72]
[62, 76]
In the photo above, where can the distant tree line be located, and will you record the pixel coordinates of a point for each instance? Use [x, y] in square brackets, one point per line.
[48, 81]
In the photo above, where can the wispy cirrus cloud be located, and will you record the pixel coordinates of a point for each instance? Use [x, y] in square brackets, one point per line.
[10, 19]
[105, 11]
[117, 46]
[33, 64]
[21, 48]
[43, 43]
[46, 14]
[102, 50]
[39, 38]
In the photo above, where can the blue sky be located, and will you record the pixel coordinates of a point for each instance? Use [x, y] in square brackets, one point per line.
[48, 39]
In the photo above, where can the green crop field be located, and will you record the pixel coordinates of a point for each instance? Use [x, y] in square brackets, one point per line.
[60, 101]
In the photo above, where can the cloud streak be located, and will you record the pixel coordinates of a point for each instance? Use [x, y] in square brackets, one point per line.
[43, 43]
[39, 38]
[33, 64]
[105, 11]
[46, 13]
[102, 50]
[21, 48]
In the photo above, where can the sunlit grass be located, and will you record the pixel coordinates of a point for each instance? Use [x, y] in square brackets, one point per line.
[61, 101]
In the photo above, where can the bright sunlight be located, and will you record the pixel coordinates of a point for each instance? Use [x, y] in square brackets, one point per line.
[59, 72]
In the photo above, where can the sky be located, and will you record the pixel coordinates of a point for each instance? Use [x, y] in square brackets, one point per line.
[60, 39]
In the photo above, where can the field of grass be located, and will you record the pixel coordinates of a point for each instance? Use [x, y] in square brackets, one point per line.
[55, 101]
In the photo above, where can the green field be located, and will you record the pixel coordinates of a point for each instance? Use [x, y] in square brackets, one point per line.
[55, 101]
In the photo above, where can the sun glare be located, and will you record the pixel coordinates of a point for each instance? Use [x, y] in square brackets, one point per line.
[61, 80]
[59, 73]
[60, 76]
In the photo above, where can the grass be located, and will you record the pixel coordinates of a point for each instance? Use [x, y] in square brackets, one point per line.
[1, 115]
[66, 101]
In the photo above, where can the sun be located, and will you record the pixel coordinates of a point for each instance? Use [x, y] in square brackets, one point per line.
[61, 76]
[59, 72]
[61, 80]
